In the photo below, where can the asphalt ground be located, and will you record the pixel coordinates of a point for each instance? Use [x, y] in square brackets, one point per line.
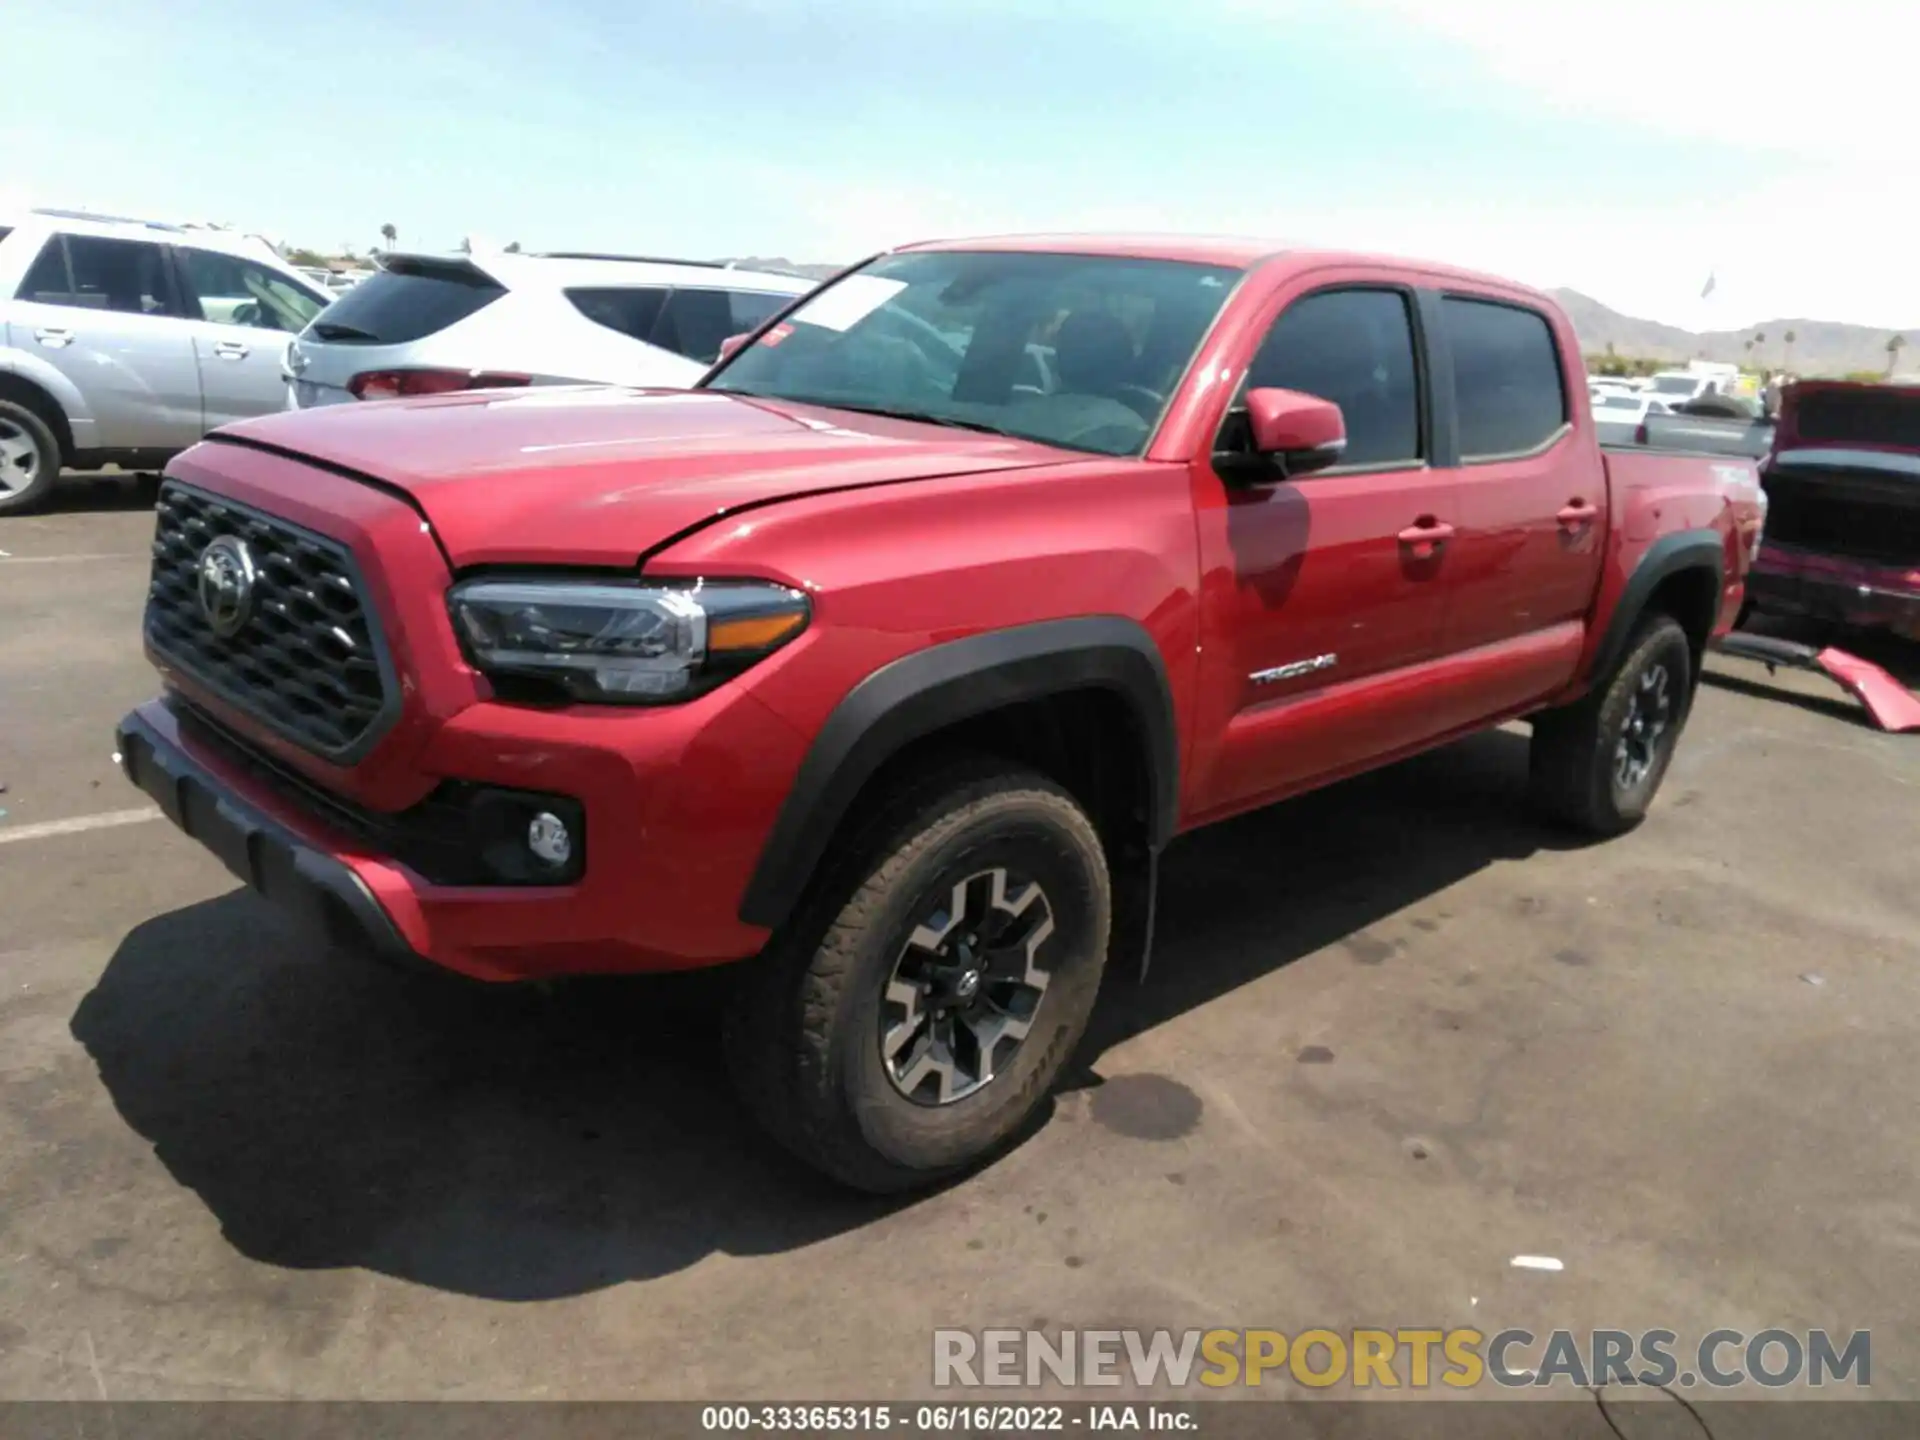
[1395, 1036]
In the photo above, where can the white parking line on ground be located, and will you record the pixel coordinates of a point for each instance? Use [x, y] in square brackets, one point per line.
[74, 559]
[48, 828]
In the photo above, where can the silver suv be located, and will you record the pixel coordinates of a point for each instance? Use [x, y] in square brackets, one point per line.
[426, 324]
[125, 341]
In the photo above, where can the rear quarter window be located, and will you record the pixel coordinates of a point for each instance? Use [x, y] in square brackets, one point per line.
[1508, 386]
[393, 307]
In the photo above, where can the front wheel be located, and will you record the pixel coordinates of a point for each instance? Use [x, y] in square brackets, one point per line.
[909, 1024]
[29, 458]
[1598, 763]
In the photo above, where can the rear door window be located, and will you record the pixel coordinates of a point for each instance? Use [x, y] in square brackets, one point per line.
[1507, 380]
[90, 272]
[393, 307]
[632, 310]
[693, 323]
[753, 308]
[689, 322]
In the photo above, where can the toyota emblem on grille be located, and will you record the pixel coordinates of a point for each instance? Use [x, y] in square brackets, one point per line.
[226, 585]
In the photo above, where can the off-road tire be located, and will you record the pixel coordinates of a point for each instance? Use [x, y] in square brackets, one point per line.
[1573, 761]
[803, 1023]
[17, 420]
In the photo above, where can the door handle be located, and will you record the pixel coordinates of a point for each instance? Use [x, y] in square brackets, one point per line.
[230, 350]
[1425, 535]
[1576, 513]
[53, 337]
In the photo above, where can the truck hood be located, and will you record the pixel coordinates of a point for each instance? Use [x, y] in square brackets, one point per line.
[587, 475]
[1848, 415]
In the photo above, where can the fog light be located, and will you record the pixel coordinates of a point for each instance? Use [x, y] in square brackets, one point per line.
[547, 838]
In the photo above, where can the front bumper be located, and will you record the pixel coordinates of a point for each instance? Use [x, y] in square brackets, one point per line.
[677, 807]
[313, 886]
[1789, 581]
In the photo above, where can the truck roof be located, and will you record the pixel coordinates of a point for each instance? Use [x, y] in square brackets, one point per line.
[1239, 252]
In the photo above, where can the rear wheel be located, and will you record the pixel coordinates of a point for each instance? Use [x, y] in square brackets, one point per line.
[907, 1027]
[1597, 764]
[29, 458]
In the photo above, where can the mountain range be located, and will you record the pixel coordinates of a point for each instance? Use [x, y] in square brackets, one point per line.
[1820, 347]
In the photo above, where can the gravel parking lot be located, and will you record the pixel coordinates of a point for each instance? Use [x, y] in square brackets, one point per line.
[1395, 1035]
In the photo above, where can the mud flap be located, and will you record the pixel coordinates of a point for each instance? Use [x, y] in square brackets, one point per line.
[1891, 704]
[1136, 898]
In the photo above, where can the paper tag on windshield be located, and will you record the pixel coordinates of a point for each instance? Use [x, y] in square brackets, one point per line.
[849, 302]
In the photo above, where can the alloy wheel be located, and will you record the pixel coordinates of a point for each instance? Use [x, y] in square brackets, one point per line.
[965, 987]
[1649, 714]
[19, 459]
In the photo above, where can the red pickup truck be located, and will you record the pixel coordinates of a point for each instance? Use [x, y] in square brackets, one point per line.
[884, 663]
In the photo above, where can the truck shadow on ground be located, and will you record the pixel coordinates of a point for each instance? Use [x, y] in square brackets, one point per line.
[519, 1146]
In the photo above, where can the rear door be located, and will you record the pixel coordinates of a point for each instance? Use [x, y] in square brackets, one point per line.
[1533, 496]
[241, 315]
[1323, 598]
[106, 314]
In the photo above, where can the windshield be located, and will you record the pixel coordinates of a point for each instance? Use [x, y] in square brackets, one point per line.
[1073, 350]
[1675, 384]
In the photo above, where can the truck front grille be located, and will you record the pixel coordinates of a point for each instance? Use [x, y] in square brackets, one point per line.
[302, 652]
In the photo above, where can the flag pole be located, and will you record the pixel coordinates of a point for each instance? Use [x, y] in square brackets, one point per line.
[1708, 310]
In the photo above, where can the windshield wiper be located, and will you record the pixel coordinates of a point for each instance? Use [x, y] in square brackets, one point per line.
[334, 330]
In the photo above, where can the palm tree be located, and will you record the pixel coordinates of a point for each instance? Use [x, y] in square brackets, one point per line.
[1789, 337]
[389, 234]
[1894, 347]
[1760, 345]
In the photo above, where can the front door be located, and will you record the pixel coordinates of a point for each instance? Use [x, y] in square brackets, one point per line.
[105, 314]
[1322, 596]
[244, 314]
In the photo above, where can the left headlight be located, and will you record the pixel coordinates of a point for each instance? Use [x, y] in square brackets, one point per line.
[621, 643]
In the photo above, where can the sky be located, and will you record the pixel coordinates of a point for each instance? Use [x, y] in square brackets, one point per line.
[1627, 149]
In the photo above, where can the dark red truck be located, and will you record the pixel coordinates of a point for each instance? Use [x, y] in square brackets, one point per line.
[1843, 525]
[884, 664]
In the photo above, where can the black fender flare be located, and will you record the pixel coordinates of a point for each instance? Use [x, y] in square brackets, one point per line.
[1701, 549]
[931, 689]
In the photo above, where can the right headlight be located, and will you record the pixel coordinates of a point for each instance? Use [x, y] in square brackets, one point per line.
[623, 643]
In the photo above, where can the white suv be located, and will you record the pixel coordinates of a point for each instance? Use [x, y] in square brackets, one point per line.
[425, 324]
[125, 341]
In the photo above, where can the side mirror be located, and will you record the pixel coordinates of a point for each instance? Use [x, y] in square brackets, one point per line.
[731, 344]
[1299, 433]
